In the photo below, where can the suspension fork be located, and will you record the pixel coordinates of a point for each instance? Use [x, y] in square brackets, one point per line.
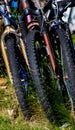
[4, 50]
[48, 44]
[50, 53]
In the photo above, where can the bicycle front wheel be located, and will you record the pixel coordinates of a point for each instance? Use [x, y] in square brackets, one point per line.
[40, 71]
[68, 65]
[15, 72]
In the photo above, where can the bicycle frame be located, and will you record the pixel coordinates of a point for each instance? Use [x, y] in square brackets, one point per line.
[27, 16]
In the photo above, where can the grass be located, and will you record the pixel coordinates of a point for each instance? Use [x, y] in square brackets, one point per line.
[11, 117]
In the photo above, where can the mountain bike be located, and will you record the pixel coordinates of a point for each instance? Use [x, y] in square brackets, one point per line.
[13, 51]
[50, 54]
